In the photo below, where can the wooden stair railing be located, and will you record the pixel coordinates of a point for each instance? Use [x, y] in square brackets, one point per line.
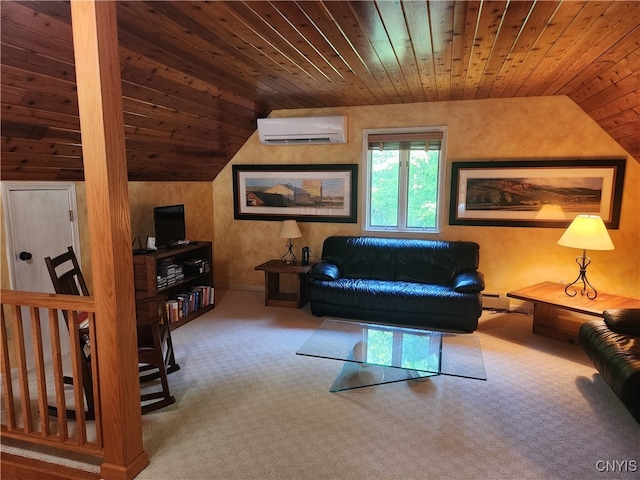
[28, 395]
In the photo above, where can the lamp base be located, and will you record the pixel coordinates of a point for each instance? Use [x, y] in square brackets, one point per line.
[289, 257]
[572, 291]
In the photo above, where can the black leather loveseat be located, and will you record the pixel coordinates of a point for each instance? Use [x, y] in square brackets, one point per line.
[613, 345]
[424, 283]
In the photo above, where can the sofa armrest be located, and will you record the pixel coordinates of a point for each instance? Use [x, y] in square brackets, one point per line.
[624, 320]
[468, 282]
[324, 271]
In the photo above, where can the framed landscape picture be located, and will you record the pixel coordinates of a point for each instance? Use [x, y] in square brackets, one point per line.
[306, 193]
[535, 193]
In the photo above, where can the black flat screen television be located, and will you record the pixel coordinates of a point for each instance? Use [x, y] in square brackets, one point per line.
[169, 225]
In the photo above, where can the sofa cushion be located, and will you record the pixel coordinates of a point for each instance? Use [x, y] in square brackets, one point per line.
[625, 320]
[408, 260]
[394, 296]
[360, 257]
[425, 261]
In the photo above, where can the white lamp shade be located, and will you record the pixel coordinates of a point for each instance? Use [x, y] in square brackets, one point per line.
[289, 229]
[551, 212]
[587, 232]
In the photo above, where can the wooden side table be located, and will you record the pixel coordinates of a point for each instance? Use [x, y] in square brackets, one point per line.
[273, 297]
[549, 299]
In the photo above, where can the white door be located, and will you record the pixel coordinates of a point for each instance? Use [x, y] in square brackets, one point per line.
[41, 221]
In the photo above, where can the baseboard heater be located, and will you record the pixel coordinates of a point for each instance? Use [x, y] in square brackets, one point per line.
[494, 301]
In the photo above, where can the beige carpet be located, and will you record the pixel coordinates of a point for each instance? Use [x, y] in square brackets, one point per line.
[249, 408]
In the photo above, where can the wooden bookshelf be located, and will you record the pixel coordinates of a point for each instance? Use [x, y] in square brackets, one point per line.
[166, 274]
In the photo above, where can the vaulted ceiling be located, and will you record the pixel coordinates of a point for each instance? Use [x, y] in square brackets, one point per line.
[197, 75]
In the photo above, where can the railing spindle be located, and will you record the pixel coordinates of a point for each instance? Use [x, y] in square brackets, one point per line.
[58, 375]
[19, 385]
[21, 356]
[7, 385]
[41, 378]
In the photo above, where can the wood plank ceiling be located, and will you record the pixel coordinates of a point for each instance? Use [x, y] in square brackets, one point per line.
[196, 75]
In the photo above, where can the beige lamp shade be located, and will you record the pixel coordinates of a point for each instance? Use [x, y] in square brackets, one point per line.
[587, 232]
[289, 229]
[551, 212]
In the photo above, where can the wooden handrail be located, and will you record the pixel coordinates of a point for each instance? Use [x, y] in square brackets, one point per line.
[26, 391]
[48, 300]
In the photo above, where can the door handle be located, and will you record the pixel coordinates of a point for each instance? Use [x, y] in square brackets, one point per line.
[25, 256]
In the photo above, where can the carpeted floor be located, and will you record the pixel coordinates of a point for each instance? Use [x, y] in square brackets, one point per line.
[249, 408]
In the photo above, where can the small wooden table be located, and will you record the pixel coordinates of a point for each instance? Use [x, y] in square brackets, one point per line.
[273, 297]
[549, 299]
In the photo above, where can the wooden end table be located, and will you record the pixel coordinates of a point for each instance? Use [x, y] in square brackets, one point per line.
[273, 297]
[549, 299]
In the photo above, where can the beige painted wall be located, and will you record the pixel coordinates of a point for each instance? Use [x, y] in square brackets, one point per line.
[196, 197]
[143, 196]
[510, 258]
[547, 127]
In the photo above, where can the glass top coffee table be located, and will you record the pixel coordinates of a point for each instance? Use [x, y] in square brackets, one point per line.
[375, 354]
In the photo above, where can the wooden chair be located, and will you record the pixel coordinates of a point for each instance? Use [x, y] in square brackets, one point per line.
[155, 354]
[71, 282]
[155, 348]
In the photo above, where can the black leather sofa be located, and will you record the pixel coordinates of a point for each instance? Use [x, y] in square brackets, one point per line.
[613, 345]
[422, 283]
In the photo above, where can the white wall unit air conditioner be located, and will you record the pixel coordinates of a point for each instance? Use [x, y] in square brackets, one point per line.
[302, 130]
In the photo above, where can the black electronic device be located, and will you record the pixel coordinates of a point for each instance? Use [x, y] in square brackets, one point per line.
[169, 225]
[139, 250]
[305, 255]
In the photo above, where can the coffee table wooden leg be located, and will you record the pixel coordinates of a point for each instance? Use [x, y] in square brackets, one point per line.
[545, 317]
[547, 321]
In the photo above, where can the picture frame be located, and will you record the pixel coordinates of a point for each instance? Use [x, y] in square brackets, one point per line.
[306, 193]
[535, 193]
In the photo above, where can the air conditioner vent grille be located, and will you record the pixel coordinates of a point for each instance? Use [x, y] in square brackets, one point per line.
[297, 141]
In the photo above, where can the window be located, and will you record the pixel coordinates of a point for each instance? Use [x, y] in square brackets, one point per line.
[404, 181]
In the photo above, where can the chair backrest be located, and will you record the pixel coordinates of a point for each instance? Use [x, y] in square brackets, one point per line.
[70, 281]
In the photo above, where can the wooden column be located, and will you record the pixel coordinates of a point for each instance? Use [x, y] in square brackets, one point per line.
[95, 39]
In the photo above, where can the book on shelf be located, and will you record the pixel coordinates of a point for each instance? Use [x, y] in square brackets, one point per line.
[206, 295]
[173, 309]
[184, 303]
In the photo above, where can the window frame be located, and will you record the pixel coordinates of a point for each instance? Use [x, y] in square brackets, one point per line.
[441, 211]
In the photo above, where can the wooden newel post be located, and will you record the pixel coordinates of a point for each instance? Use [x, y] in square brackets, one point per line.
[95, 39]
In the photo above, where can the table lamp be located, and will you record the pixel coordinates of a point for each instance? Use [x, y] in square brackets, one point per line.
[289, 230]
[588, 233]
[551, 212]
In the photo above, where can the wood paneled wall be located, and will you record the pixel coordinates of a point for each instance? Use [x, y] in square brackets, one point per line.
[196, 75]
